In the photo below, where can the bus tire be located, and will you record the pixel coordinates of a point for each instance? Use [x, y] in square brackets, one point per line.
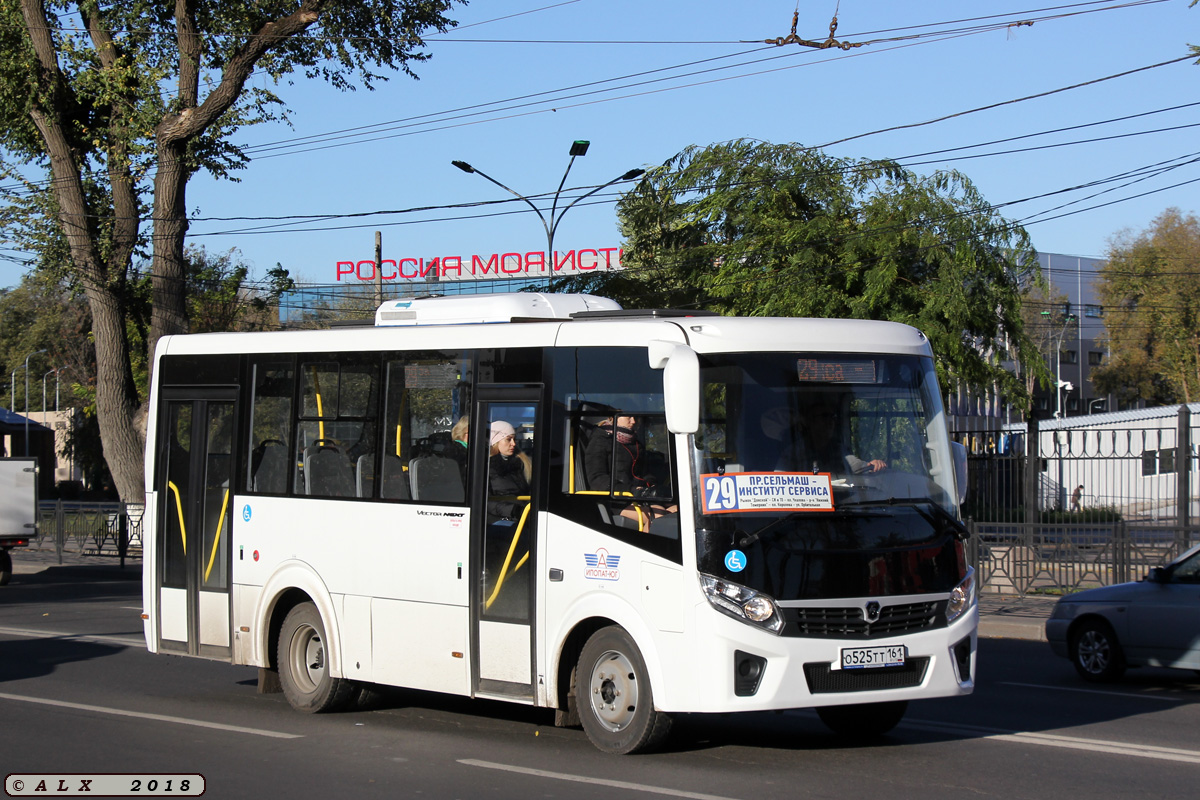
[304, 664]
[614, 697]
[864, 720]
[6, 568]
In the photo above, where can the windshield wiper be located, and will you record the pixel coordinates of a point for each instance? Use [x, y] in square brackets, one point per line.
[915, 503]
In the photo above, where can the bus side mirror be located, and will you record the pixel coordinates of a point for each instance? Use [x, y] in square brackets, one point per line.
[959, 452]
[681, 384]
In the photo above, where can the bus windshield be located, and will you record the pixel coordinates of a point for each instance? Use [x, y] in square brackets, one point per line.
[829, 475]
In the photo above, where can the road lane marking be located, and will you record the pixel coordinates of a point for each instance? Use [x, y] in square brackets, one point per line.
[119, 712]
[1093, 691]
[562, 776]
[33, 633]
[1057, 740]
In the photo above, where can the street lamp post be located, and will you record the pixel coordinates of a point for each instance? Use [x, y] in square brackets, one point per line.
[31, 355]
[51, 372]
[1059, 383]
[578, 148]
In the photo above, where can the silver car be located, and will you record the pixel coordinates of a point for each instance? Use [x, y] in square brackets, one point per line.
[1154, 622]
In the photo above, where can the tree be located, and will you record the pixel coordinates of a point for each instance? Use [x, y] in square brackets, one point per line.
[1150, 288]
[45, 313]
[101, 97]
[754, 228]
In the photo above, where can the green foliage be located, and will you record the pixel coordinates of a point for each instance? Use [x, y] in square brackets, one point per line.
[759, 229]
[120, 95]
[1151, 295]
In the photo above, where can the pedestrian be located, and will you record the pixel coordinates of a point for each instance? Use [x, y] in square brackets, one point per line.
[1076, 498]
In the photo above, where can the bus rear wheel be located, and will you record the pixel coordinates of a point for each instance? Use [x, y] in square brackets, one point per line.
[304, 664]
[6, 567]
[865, 720]
[615, 701]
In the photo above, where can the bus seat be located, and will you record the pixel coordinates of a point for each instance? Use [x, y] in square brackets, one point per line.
[436, 478]
[394, 481]
[269, 462]
[364, 475]
[327, 471]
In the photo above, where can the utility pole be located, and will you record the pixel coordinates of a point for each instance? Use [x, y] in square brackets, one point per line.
[378, 268]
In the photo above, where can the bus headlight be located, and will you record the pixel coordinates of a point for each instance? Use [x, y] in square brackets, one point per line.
[742, 603]
[962, 597]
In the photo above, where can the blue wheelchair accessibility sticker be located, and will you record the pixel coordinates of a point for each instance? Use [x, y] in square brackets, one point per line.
[735, 561]
[246, 512]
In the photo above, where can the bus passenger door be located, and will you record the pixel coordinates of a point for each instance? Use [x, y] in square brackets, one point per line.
[195, 511]
[505, 439]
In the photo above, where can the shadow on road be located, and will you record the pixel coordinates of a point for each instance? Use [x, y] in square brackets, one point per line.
[33, 658]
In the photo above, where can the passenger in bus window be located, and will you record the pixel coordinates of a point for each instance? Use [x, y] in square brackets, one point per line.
[509, 473]
[458, 447]
[614, 460]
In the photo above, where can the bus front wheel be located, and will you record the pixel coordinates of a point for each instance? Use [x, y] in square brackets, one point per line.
[615, 701]
[304, 664]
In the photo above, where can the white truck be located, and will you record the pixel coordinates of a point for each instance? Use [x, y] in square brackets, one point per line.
[18, 508]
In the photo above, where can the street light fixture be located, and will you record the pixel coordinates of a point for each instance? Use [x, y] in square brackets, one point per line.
[578, 148]
[31, 355]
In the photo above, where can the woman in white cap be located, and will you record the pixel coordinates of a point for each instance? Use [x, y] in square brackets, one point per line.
[509, 472]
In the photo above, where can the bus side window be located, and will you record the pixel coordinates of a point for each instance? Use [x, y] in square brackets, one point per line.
[270, 420]
[615, 460]
[424, 430]
[336, 427]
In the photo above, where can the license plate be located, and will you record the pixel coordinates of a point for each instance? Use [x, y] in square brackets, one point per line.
[870, 657]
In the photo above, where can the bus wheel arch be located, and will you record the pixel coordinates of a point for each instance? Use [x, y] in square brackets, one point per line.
[566, 714]
[615, 695]
[279, 610]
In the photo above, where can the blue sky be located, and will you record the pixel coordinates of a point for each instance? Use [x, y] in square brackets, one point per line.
[611, 72]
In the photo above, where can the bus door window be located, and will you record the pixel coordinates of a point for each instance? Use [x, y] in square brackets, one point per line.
[177, 496]
[508, 535]
[218, 469]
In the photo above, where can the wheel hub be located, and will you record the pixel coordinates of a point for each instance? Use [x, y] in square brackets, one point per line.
[613, 690]
[308, 658]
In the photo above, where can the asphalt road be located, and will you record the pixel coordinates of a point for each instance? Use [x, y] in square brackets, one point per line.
[79, 694]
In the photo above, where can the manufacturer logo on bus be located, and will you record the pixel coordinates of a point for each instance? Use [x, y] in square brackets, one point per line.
[601, 566]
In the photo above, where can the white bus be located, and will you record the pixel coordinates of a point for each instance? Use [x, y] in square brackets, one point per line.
[316, 509]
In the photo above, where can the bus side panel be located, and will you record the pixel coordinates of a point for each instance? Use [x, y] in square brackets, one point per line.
[245, 600]
[352, 551]
[602, 579]
[149, 577]
[421, 645]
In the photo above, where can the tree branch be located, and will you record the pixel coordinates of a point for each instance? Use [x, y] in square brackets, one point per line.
[192, 121]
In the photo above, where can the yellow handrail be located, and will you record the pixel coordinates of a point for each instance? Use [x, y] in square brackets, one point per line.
[642, 527]
[508, 557]
[179, 508]
[316, 377]
[217, 540]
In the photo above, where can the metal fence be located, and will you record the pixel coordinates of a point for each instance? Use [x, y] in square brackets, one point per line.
[1057, 508]
[1060, 558]
[99, 529]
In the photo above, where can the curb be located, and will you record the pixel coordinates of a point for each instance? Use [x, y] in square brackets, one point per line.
[1009, 629]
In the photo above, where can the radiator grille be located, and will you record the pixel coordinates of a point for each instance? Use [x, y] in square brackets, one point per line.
[849, 622]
